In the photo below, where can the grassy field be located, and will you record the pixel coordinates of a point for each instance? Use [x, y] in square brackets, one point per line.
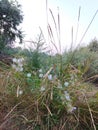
[60, 93]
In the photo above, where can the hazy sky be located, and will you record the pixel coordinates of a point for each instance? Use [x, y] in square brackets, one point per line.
[35, 15]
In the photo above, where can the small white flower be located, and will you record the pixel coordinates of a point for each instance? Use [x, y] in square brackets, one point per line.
[4, 16]
[2, 30]
[20, 92]
[18, 66]
[21, 69]
[40, 75]
[50, 77]
[42, 89]
[70, 108]
[66, 84]
[40, 70]
[14, 60]
[28, 75]
[74, 108]
[20, 60]
[67, 96]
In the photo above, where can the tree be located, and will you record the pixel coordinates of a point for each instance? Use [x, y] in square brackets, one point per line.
[10, 18]
[93, 46]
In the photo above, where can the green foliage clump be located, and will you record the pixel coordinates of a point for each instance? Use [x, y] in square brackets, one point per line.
[93, 45]
[41, 91]
[47, 102]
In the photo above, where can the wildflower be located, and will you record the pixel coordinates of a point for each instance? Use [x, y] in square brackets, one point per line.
[17, 68]
[66, 84]
[40, 70]
[67, 96]
[42, 89]
[74, 108]
[20, 92]
[40, 75]
[21, 69]
[20, 60]
[50, 77]
[28, 75]
[2, 30]
[14, 60]
[17, 64]
[70, 108]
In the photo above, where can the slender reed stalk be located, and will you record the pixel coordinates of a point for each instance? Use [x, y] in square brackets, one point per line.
[71, 40]
[88, 26]
[90, 112]
[78, 24]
